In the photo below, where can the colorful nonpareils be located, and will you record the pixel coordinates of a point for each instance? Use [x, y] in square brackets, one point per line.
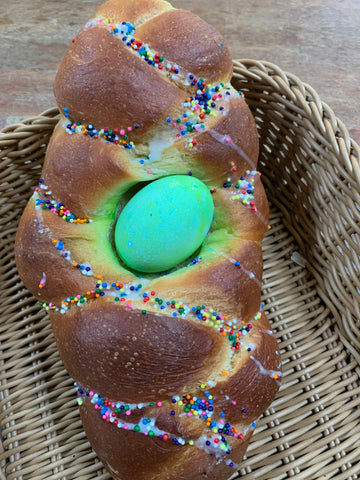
[214, 440]
[46, 201]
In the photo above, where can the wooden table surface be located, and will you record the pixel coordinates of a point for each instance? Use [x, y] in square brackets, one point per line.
[317, 40]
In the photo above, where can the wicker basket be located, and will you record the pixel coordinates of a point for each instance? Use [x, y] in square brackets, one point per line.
[311, 170]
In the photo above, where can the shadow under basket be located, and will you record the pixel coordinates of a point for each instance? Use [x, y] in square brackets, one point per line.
[311, 171]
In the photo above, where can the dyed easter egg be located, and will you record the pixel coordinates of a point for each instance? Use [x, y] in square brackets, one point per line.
[164, 223]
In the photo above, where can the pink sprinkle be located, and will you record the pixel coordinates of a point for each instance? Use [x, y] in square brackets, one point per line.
[189, 414]
[222, 422]
[91, 393]
[149, 171]
[128, 412]
[122, 132]
[145, 433]
[96, 407]
[129, 128]
[234, 402]
[126, 427]
[159, 404]
[227, 140]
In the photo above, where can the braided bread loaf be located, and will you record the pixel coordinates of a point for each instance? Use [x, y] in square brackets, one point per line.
[184, 356]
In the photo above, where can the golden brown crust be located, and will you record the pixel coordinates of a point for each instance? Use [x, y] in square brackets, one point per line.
[38, 258]
[196, 332]
[197, 57]
[84, 173]
[96, 340]
[135, 12]
[232, 140]
[108, 100]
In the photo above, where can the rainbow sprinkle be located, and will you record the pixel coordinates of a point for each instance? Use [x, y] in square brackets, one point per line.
[115, 136]
[47, 202]
[119, 414]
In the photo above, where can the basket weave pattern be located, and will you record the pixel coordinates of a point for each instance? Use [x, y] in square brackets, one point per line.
[311, 171]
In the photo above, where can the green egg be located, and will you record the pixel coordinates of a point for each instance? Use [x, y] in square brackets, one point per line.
[164, 223]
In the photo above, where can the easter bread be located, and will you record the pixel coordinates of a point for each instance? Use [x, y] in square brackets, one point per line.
[173, 368]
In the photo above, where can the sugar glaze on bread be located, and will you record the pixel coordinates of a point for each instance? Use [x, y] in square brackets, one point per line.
[172, 369]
